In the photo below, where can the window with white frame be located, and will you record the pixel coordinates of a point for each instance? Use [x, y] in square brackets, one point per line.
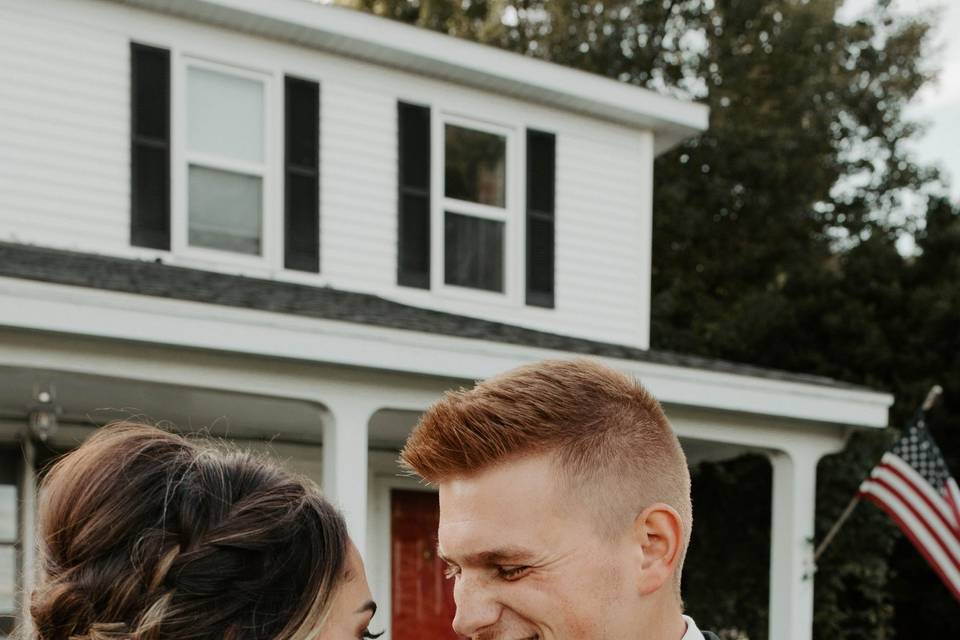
[213, 168]
[461, 207]
[475, 207]
[226, 159]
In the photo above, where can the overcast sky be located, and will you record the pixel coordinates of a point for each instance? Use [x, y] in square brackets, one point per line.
[939, 104]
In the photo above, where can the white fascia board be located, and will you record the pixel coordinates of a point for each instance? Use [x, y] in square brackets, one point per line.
[121, 316]
[414, 49]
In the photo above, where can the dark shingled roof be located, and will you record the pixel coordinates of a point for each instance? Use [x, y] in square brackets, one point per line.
[179, 283]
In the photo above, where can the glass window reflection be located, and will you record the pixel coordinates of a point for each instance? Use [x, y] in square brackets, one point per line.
[475, 166]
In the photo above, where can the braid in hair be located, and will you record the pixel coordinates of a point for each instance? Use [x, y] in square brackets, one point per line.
[149, 536]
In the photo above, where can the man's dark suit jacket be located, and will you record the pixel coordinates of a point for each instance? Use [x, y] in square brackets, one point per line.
[709, 636]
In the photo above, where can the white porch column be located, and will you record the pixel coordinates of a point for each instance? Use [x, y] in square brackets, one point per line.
[791, 549]
[345, 444]
[28, 535]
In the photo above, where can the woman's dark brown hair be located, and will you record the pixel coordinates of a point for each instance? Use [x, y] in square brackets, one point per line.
[147, 536]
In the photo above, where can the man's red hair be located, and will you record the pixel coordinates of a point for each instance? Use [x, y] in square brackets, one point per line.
[609, 436]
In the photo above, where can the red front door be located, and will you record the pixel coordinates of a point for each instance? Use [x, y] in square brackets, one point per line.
[422, 605]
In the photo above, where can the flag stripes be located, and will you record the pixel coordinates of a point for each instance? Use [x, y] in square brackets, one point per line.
[934, 498]
[918, 536]
[906, 494]
[927, 518]
[953, 491]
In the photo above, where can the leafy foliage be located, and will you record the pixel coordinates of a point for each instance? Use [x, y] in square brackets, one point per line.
[725, 584]
[775, 243]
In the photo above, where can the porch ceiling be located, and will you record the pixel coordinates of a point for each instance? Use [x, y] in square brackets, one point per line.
[389, 428]
[96, 400]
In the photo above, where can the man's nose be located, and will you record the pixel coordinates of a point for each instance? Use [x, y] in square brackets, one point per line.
[477, 609]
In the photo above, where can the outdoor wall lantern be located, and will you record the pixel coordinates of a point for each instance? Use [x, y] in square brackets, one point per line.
[44, 412]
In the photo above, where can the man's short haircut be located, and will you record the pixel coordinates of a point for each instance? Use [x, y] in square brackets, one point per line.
[609, 436]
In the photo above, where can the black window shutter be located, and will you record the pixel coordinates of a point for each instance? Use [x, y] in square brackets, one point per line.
[149, 147]
[541, 196]
[302, 175]
[413, 237]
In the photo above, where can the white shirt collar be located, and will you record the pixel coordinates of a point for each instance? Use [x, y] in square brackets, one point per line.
[693, 633]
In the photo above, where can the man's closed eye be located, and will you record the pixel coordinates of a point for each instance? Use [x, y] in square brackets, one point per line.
[512, 572]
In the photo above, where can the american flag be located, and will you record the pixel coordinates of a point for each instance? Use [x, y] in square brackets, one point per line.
[913, 485]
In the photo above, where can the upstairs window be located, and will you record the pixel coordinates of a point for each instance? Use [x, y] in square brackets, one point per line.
[475, 215]
[474, 223]
[226, 160]
[211, 177]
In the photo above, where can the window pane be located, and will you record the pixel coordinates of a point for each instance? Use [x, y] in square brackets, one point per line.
[225, 115]
[225, 210]
[8, 513]
[8, 580]
[473, 253]
[475, 166]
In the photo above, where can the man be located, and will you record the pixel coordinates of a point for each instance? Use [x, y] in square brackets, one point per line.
[564, 506]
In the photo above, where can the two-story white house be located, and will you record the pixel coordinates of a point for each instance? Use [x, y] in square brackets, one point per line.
[291, 222]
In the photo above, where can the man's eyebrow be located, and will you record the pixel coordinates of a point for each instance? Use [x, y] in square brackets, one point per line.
[500, 555]
[370, 606]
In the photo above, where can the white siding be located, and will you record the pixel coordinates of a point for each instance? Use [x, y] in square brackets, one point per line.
[358, 186]
[63, 131]
[64, 163]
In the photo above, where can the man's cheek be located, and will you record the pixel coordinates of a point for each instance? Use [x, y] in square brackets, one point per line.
[558, 611]
[592, 598]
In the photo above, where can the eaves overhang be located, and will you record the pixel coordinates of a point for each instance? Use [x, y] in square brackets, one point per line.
[51, 290]
[416, 50]
[130, 318]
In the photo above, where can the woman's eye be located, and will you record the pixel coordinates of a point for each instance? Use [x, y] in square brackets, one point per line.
[367, 634]
[512, 573]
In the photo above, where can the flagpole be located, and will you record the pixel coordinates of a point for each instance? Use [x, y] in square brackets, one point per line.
[932, 396]
[836, 527]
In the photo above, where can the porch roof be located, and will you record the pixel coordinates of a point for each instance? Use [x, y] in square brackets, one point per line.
[179, 283]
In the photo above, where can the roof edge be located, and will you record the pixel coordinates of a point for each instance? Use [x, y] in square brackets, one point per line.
[158, 280]
[393, 44]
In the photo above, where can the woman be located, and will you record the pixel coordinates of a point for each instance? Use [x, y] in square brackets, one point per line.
[149, 536]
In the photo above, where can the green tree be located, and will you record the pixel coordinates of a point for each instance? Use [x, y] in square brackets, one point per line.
[930, 354]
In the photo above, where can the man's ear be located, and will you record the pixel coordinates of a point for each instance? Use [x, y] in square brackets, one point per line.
[658, 531]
